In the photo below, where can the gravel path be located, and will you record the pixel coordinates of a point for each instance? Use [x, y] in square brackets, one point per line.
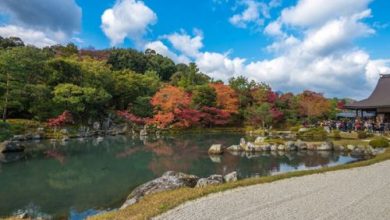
[360, 193]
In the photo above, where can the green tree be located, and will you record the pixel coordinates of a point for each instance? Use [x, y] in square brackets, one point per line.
[204, 95]
[259, 114]
[20, 67]
[163, 66]
[121, 59]
[80, 100]
[129, 85]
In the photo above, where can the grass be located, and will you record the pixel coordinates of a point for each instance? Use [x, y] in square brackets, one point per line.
[155, 204]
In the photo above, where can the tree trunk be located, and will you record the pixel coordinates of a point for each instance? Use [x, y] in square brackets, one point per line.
[6, 99]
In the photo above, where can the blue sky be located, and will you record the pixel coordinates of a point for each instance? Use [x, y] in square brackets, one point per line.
[338, 47]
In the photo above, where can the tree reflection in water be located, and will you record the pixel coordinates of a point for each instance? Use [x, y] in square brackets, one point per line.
[89, 174]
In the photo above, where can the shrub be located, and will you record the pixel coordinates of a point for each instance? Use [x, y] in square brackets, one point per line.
[336, 134]
[5, 131]
[362, 134]
[277, 141]
[379, 142]
[313, 134]
[295, 128]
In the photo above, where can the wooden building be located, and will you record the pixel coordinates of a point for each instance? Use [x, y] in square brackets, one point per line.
[378, 102]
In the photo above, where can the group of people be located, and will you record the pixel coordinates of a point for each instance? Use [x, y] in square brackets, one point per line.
[349, 125]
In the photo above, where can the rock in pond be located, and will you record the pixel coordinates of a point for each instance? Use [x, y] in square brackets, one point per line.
[231, 177]
[301, 145]
[351, 147]
[259, 140]
[216, 149]
[211, 180]
[325, 146]
[11, 147]
[290, 146]
[168, 181]
[234, 148]
[281, 147]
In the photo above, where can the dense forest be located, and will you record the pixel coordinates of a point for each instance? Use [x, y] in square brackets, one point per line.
[141, 87]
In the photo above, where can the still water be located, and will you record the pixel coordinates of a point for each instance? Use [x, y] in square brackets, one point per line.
[78, 178]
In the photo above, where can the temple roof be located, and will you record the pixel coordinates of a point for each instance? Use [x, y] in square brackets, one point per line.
[379, 98]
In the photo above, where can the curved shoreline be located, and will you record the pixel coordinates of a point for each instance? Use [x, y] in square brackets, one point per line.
[360, 193]
[156, 204]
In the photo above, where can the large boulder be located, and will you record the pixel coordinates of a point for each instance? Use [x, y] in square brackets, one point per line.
[231, 177]
[11, 147]
[216, 149]
[325, 146]
[211, 180]
[168, 181]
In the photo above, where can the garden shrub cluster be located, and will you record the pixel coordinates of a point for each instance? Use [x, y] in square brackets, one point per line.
[313, 134]
[379, 142]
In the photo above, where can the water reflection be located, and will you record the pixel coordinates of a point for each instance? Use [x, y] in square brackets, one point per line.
[77, 177]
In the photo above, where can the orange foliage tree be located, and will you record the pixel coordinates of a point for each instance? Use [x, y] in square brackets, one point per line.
[168, 102]
[227, 98]
[312, 104]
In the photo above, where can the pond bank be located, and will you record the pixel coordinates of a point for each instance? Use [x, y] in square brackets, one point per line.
[155, 204]
[360, 193]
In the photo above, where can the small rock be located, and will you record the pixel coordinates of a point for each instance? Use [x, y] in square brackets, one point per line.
[290, 145]
[311, 146]
[301, 145]
[234, 148]
[211, 180]
[19, 138]
[243, 143]
[36, 137]
[274, 147]
[351, 147]
[259, 140]
[325, 146]
[215, 158]
[99, 139]
[64, 131]
[340, 148]
[11, 147]
[216, 149]
[231, 177]
[265, 147]
[65, 139]
[303, 129]
[281, 147]
[250, 147]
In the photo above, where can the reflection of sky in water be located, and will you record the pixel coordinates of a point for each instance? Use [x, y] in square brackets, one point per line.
[284, 168]
[76, 178]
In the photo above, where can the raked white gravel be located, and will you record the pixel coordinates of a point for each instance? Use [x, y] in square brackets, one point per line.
[360, 193]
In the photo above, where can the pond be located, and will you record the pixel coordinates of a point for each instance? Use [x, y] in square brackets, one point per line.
[80, 177]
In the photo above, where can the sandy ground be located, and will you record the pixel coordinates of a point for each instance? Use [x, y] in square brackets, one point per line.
[360, 193]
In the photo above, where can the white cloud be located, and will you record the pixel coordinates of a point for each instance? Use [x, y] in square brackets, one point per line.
[251, 14]
[219, 66]
[40, 22]
[29, 36]
[127, 19]
[316, 12]
[320, 54]
[185, 43]
[162, 49]
[274, 29]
